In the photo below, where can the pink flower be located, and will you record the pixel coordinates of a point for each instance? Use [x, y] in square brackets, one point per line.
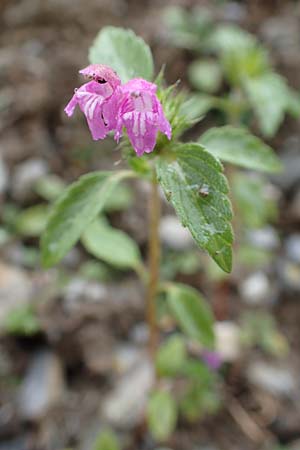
[96, 99]
[141, 113]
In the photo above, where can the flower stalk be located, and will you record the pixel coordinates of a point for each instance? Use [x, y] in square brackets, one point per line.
[153, 264]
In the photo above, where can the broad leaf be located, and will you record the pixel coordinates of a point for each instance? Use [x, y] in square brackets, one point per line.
[162, 415]
[254, 204]
[74, 211]
[228, 38]
[192, 312]
[32, 221]
[205, 75]
[269, 96]
[124, 51]
[197, 105]
[112, 246]
[198, 190]
[171, 356]
[238, 146]
[106, 440]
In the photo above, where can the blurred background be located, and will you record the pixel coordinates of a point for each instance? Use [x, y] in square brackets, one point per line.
[72, 338]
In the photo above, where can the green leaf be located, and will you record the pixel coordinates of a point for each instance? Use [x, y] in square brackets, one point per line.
[198, 190]
[124, 51]
[49, 187]
[120, 199]
[205, 75]
[32, 221]
[199, 401]
[238, 146]
[107, 440]
[162, 415]
[254, 204]
[171, 356]
[189, 30]
[112, 246]
[197, 105]
[192, 312]
[74, 211]
[22, 321]
[269, 97]
[228, 38]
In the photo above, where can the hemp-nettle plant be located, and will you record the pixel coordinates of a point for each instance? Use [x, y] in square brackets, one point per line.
[121, 97]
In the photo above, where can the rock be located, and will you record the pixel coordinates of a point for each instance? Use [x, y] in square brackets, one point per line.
[294, 208]
[282, 34]
[274, 379]
[292, 248]
[79, 290]
[19, 443]
[15, 290]
[3, 177]
[256, 289]
[289, 274]
[295, 445]
[173, 234]
[84, 297]
[139, 334]
[125, 405]
[234, 12]
[125, 358]
[264, 238]
[42, 387]
[25, 176]
[228, 344]
[290, 175]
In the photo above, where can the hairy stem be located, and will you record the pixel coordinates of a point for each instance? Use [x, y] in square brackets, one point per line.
[153, 262]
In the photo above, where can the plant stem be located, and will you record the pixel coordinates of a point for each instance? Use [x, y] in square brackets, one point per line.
[153, 263]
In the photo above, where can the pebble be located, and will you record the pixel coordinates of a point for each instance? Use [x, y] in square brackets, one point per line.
[42, 387]
[125, 405]
[15, 289]
[294, 208]
[228, 345]
[173, 234]
[276, 380]
[256, 289]
[264, 238]
[80, 290]
[289, 273]
[290, 175]
[25, 176]
[125, 357]
[292, 248]
[3, 177]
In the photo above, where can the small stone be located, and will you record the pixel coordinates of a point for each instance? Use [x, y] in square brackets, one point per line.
[42, 387]
[25, 176]
[295, 206]
[173, 234]
[292, 248]
[290, 175]
[264, 238]
[79, 290]
[256, 289]
[3, 177]
[295, 445]
[15, 290]
[289, 273]
[125, 358]
[125, 405]
[228, 344]
[274, 379]
[140, 334]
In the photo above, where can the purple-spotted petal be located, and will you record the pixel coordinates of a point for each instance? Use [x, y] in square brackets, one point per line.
[92, 98]
[140, 112]
[101, 74]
